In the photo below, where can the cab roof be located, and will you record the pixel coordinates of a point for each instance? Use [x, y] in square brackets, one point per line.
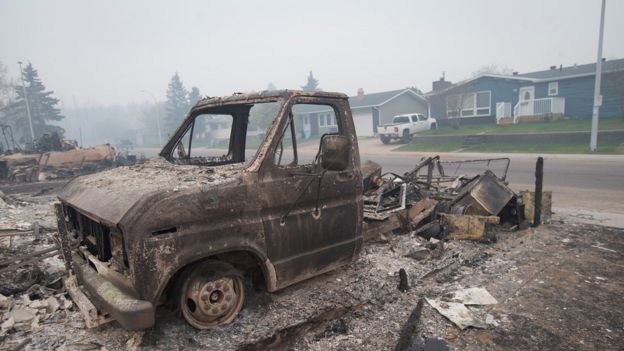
[265, 95]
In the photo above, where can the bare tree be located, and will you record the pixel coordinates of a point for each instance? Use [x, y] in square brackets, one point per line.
[455, 104]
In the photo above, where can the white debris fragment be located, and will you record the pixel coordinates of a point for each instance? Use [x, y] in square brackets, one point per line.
[489, 320]
[134, 342]
[471, 296]
[38, 304]
[456, 313]
[22, 315]
[53, 304]
[603, 248]
[8, 324]
[5, 302]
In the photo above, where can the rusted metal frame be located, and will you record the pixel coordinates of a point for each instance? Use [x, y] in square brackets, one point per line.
[6, 234]
[29, 255]
[191, 136]
[38, 258]
[487, 160]
[61, 220]
[294, 139]
[89, 312]
[414, 172]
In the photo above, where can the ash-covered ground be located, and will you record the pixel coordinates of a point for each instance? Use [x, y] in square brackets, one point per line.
[558, 287]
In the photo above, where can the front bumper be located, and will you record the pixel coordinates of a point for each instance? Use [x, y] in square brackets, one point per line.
[131, 313]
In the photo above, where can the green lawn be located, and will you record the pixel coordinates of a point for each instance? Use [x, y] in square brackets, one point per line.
[566, 125]
[549, 148]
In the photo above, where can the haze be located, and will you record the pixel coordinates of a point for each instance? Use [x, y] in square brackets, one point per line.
[106, 52]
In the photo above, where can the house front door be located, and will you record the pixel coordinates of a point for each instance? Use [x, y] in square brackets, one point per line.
[526, 96]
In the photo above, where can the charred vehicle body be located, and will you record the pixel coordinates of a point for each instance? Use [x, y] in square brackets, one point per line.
[234, 191]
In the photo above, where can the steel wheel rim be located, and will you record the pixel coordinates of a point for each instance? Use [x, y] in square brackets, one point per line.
[206, 303]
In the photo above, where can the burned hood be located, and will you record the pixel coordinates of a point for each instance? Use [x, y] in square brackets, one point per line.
[107, 196]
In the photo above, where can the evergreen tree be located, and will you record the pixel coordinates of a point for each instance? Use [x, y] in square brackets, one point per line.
[194, 96]
[42, 107]
[176, 105]
[312, 84]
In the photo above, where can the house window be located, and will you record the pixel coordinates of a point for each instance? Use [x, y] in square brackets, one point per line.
[483, 103]
[553, 88]
[469, 104]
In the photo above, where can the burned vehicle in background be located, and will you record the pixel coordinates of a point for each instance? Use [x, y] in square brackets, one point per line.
[231, 194]
[50, 157]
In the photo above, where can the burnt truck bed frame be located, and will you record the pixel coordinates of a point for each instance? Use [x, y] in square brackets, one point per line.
[292, 223]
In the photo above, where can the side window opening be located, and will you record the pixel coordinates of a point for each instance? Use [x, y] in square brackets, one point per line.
[216, 135]
[299, 141]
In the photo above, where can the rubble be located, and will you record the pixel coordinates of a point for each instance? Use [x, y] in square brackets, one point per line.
[51, 157]
[469, 227]
[363, 310]
[358, 306]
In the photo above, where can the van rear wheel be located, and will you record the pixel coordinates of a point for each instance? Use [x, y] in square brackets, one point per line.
[385, 140]
[212, 294]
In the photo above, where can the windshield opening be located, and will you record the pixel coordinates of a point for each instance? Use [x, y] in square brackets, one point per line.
[224, 134]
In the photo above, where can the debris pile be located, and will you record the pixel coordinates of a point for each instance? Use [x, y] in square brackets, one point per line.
[440, 205]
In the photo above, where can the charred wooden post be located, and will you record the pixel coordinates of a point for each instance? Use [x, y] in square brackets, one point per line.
[403, 283]
[539, 182]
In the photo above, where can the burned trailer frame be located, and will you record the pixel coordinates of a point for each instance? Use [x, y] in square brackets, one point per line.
[483, 194]
[195, 225]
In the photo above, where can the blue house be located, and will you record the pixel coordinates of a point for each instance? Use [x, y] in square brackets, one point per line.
[549, 94]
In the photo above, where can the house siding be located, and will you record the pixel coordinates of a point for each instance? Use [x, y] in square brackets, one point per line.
[405, 103]
[502, 90]
[579, 96]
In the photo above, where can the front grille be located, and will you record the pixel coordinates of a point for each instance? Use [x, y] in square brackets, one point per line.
[93, 235]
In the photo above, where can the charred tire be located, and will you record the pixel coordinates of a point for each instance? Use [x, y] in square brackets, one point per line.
[212, 293]
[406, 137]
[385, 140]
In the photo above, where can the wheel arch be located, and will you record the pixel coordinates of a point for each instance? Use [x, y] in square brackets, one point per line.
[242, 258]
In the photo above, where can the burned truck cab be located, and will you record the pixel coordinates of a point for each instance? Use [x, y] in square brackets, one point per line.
[247, 183]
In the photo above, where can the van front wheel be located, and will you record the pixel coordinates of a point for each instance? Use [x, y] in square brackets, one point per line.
[212, 294]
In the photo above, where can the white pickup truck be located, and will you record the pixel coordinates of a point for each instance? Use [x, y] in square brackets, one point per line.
[404, 126]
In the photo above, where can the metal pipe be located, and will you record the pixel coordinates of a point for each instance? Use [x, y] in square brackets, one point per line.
[32, 132]
[593, 143]
[539, 181]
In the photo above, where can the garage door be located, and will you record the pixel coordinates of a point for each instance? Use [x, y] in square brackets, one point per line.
[363, 121]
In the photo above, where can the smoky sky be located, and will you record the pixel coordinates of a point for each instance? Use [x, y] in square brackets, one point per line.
[105, 52]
